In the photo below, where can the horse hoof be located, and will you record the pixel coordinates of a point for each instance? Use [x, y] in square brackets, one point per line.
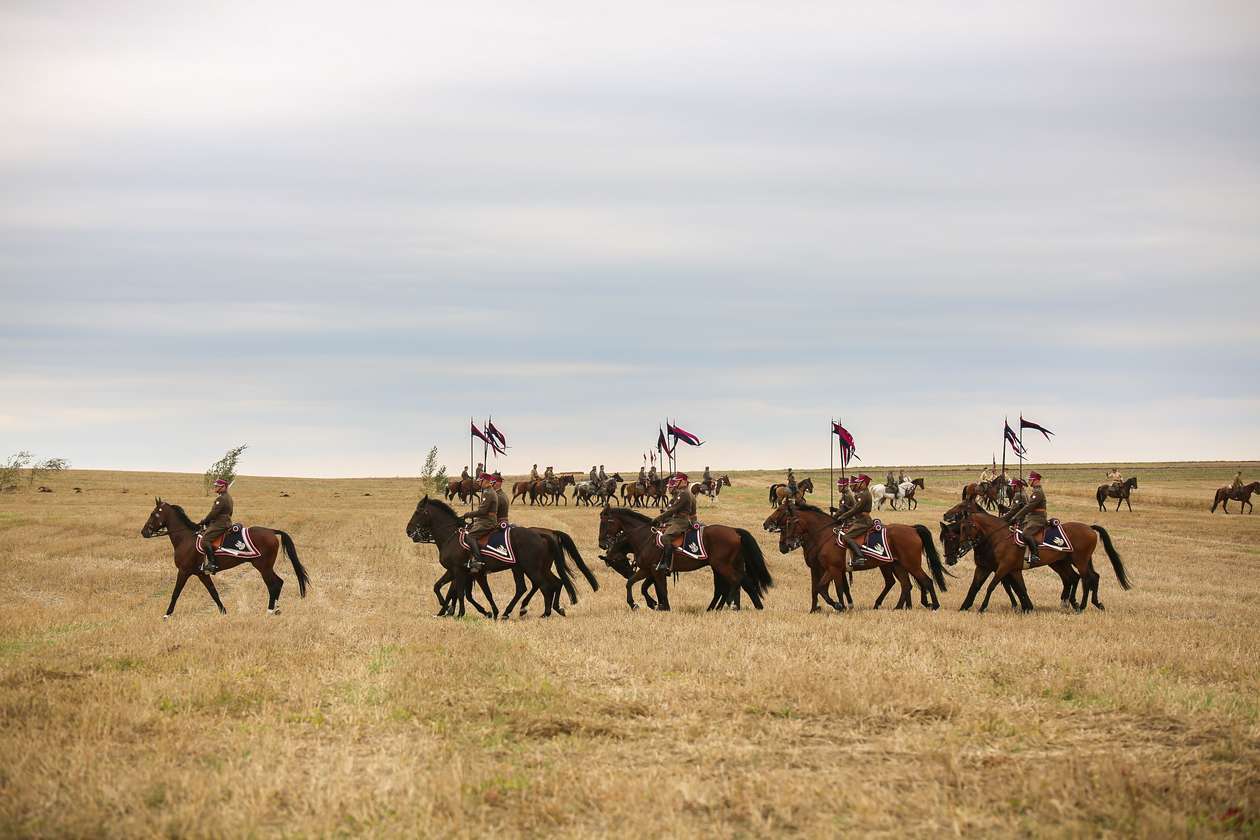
[276, 611]
[815, 610]
[636, 606]
[165, 616]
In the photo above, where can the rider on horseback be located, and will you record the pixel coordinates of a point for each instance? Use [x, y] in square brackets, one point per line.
[1237, 483]
[1018, 497]
[502, 499]
[677, 518]
[216, 523]
[603, 477]
[1116, 479]
[483, 520]
[594, 477]
[846, 495]
[652, 477]
[642, 482]
[791, 485]
[1031, 517]
[707, 481]
[533, 474]
[855, 519]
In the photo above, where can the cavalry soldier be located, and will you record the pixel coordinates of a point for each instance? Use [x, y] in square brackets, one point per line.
[482, 521]
[846, 495]
[1237, 483]
[642, 478]
[901, 477]
[652, 477]
[1031, 517]
[463, 474]
[481, 468]
[1116, 479]
[1018, 498]
[594, 477]
[986, 475]
[504, 503]
[216, 523]
[677, 518]
[603, 476]
[855, 519]
[533, 474]
[791, 485]
[708, 478]
[890, 484]
[549, 475]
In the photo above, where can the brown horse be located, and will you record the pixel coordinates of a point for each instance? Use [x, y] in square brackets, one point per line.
[632, 495]
[171, 520]
[619, 558]
[812, 528]
[1242, 494]
[733, 554]
[975, 526]
[986, 564]
[711, 488]
[1121, 493]
[465, 488]
[779, 492]
[788, 543]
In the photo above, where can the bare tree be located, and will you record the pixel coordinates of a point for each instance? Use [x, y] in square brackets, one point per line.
[49, 466]
[12, 467]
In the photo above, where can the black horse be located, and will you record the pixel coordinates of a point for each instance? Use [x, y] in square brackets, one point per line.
[1120, 494]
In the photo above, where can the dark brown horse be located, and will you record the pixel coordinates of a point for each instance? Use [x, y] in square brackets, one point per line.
[975, 526]
[632, 495]
[711, 488]
[465, 488]
[788, 543]
[1120, 494]
[1242, 494]
[171, 520]
[435, 522]
[812, 528]
[733, 554]
[986, 564]
[620, 559]
[779, 492]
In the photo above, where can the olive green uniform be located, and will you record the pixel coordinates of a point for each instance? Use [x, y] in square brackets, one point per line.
[857, 516]
[486, 517]
[1031, 516]
[680, 515]
[219, 519]
[503, 506]
[1237, 483]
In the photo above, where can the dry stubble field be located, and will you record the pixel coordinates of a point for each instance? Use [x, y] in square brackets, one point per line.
[356, 711]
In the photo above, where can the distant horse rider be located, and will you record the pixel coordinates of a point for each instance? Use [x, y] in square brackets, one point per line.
[216, 524]
[504, 503]
[603, 476]
[533, 474]
[677, 518]
[846, 495]
[986, 475]
[901, 477]
[652, 477]
[463, 474]
[549, 475]
[483, 520]
[1018, 498]
[594, 477]
[1116, 479]
[1237, 483]
[642, 478]
[1031, 517]
[707, 481]
[791, 485]
[890, 484]
[856, 519]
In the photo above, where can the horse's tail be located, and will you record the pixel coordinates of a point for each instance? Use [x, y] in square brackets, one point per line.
[1216, 500]
[562, 569]
[1101, 494]
[290, 549]
[754, 562]
[773, 487]
[1116, 564]
[934, 559]
[566, 542]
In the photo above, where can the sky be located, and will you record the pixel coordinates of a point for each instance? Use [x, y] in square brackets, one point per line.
[337, 231]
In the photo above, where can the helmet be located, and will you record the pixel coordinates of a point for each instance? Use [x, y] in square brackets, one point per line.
[220, 484]
[1034, 476]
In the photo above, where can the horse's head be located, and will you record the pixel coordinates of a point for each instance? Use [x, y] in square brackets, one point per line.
[420, 525]
[805, 485]
[616, 477]
[774, 522]
[567, 479]
[725, 479]
[610, 530]
[918, 482]
[618, 558]
[791, 531]
[156, 524]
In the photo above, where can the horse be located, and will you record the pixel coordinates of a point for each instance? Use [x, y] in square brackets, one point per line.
[520, 490]
[435, 522]
[551, 492]
[774, 524]
[986, 564]
[779, 492]
[974, 526]
[171, 520]
[465, 488]
[600, 493]
[711, 488]
[812, 528]
[1242, 494]
[904, 490]
[733, 554]
[618, 559]
[1120, 494]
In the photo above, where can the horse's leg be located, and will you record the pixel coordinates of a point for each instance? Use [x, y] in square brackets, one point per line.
[274, 584]
[662, 590]
[482, 582]
[814, 577]
[214, 593]
[998, 576]
[904, 602]
[719, 599]
[444, 603]
[889, 580]
[518, 578]
[1021, 589]
[977, 580]
[181, 578]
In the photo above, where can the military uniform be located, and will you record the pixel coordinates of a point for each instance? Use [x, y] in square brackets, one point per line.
[533, 474]
[1031, 519]
[857, 515]
[791, 485]
[652, 476]
[642, 478]
[1237, 483]
[483, 520]
[218, 520]
[1116, 479]
[890, 484]
[708, 478]
[677, 518]
[847, 500]
[503, 506]
[594, 477]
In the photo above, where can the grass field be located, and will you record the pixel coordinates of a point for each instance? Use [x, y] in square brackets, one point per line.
[357, 712]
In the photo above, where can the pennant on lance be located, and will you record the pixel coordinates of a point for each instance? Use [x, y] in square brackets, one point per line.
[662, 444]
[1028, 424]
[495, 434]
[848, 447]
[1012, 440]
[678, 433]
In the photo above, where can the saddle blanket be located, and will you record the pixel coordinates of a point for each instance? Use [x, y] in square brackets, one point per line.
[235, 542]
[1054, 537]
[874, 544]
[690, 543]
[497, 544]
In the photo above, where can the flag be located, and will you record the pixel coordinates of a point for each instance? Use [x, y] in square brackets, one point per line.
[661, 443]
[685, 436]
[1012, 440]
[848, 447]
[1028, 424]
[495, 434]
[477, 433]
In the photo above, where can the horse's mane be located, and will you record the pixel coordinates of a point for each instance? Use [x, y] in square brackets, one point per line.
[810, 508]
[632, 515]
[179, 511]
[443, 506]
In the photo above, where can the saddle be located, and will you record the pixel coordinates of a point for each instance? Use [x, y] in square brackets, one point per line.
[1053, 536]
[874, 543]
[234, 542]
[496, 544]
[690, 542]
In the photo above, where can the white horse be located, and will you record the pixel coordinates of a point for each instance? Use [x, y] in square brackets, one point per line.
[881, 494]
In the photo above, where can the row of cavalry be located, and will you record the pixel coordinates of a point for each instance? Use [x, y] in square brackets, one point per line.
[547, 560]
[613, 490]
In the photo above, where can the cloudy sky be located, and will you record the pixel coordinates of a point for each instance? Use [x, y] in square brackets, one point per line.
[336, 230]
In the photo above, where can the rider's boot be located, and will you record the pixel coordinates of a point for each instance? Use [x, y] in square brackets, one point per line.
[475, 561]
[1033, 557]
[855, 552]
[208, 565]
[667, 558]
